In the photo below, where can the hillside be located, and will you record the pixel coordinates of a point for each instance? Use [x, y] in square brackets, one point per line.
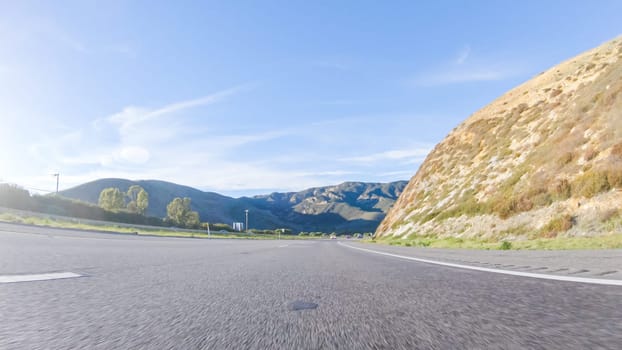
[348, 207]
[543, 160]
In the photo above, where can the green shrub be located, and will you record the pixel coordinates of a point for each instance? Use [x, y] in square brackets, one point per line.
[504, 207]
[542, 199]
[505, 245]
[424, 243]
[591, 183]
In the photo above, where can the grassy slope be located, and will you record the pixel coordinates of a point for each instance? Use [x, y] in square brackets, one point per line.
[56, 223]
[613, 241]
[555, 139]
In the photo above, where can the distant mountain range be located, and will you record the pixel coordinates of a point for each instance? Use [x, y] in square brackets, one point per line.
[348, 207]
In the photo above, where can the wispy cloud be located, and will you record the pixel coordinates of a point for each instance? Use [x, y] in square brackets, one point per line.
[466, 68]
[407, 155]
[342, 102]
[402, 173]
[131, 115]
[463, 55]
[472, 74]
[141, 138]
[333, 63]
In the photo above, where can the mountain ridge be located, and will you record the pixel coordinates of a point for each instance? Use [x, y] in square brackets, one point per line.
[347, 207]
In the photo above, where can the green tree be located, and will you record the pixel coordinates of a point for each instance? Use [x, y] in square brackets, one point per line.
[111, 199]
[178, 212]
[138, 199]
[142, 201]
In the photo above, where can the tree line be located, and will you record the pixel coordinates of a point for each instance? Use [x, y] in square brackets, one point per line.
[113, 205]
[136, 200]
[15, 197]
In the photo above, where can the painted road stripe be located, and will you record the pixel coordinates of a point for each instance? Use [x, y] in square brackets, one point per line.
[506, 272]
[37, 277]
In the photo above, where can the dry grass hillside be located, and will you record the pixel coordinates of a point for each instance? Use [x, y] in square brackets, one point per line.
[543, 160]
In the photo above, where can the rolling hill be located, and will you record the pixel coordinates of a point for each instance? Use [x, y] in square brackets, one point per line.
[348, 207]
[543, 160]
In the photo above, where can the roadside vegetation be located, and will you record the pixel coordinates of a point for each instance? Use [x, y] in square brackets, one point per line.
[77, 224]
[118, 211]
[613, 241]
[113, 206]
[14, 197]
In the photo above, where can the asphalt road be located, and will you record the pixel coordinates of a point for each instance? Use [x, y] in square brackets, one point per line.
[167, 293]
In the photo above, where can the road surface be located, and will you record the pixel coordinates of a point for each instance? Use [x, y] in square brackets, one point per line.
[171, 293]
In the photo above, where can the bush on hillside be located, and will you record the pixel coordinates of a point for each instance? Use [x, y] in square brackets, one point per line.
[591, 183]
[561, 190]
[557, 225]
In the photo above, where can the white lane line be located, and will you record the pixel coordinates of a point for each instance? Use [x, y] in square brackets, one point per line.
[283, 246]
[506, 272]
[37, 277]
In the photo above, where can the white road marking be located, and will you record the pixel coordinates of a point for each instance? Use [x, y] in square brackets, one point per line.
[506, 272]
[283, 246]
[37, 277]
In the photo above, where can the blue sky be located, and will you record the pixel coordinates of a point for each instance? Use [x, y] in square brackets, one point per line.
[250, 97]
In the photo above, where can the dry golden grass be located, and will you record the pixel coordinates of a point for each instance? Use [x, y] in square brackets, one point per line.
[556, 138]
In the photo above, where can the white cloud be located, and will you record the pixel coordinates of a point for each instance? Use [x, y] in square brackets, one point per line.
[131, 154]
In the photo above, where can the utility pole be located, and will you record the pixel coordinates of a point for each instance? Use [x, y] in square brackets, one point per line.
[246, 212]
[57, 176]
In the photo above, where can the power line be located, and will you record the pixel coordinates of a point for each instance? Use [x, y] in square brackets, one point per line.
[27, 187]
[39, 189]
